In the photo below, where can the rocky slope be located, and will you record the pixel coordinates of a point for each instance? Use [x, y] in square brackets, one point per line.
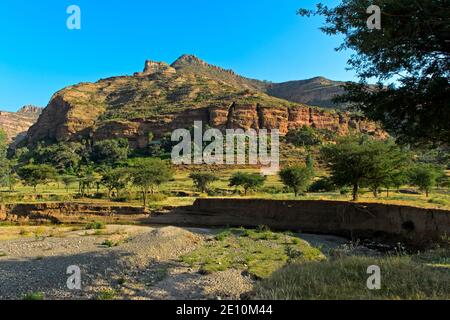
[16, 124]
[317, 91]
[166, 97]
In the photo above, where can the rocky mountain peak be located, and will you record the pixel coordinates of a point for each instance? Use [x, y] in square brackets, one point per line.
[153, 67]
[30, 109]
[189, 60]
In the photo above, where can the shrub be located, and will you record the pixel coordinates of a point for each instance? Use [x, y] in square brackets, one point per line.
[322, 185]
[297, 178]
[34, 296]
[249, 181]
[96, 225]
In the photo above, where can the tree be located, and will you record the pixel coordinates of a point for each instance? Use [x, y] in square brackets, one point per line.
[202, 180]
[110, 151]
[249, 181]
[4, 164]
[424, 176]
[33, 174]
[64, 157]
[115, 179]
[297, 178]
[362, 161]
[409, 57]
[67, 180]
[303, 137]
[149, 173]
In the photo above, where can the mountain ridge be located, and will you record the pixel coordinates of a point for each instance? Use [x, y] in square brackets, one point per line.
[165, 97]
[16, 124]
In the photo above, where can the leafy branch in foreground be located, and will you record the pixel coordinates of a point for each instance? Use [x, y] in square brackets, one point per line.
[410, 59]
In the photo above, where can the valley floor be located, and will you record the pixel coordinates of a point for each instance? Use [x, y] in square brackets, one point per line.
[144, 262]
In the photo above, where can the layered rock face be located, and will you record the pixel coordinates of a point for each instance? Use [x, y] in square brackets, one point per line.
[163, 98]
[16, 124]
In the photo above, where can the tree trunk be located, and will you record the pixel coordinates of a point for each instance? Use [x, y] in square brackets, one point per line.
[355, 192]
[144, 197]
[387, 192]
[426, 193]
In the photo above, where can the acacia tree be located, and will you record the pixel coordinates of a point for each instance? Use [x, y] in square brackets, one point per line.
[33, 174]
[249, 181]
[424, 176]
[202, 180]
[362, 161]
[297, 178]
[409, 57]
[67, 180]
[147, 174]
[115, 179]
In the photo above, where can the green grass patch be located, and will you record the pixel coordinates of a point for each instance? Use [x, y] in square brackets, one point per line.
[107, 294]
[259, 252]
[96, 225]
[34, 296]
[402, 277]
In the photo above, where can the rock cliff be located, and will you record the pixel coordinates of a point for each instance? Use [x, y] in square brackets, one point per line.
[16, 124]
[163, 98]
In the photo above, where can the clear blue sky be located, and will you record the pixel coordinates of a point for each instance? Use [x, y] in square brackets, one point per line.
[262, 39]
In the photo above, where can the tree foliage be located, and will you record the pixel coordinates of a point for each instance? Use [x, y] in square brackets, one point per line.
[363, 161]
[149, 173]
[248, 181]
[303, 137]
[110, 151]
[34, 174]
[297, 178]
[115, 179]
[202, 180]
[425, 176]
[409, 57]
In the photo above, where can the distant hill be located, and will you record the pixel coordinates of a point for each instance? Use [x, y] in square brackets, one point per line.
[16, 124]
[165, 97]
[317, 91]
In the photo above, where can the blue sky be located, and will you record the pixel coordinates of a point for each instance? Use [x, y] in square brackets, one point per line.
[262, 39]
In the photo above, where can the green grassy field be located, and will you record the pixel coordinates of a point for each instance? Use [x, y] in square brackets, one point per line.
[181, 192]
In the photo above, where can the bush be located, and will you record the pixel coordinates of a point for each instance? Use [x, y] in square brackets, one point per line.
[34, 296]
[322, 185]
[96, 225]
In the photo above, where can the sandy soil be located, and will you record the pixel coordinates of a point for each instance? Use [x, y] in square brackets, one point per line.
[121, 262]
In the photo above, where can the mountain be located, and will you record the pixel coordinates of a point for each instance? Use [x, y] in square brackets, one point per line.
[317, 91]
[165, 97]
[16, 124]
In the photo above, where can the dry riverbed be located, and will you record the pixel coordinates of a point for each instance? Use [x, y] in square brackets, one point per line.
[129, 262]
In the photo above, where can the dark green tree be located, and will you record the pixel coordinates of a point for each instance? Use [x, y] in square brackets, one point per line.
[297, 178]
[115, 179]
[67, 180]
[110, 152]
[202, 180]
[362, 161]
[248, 181]
[303, 137]
[424, 177]
[409, 57]
[149, 173]
[33, 174]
